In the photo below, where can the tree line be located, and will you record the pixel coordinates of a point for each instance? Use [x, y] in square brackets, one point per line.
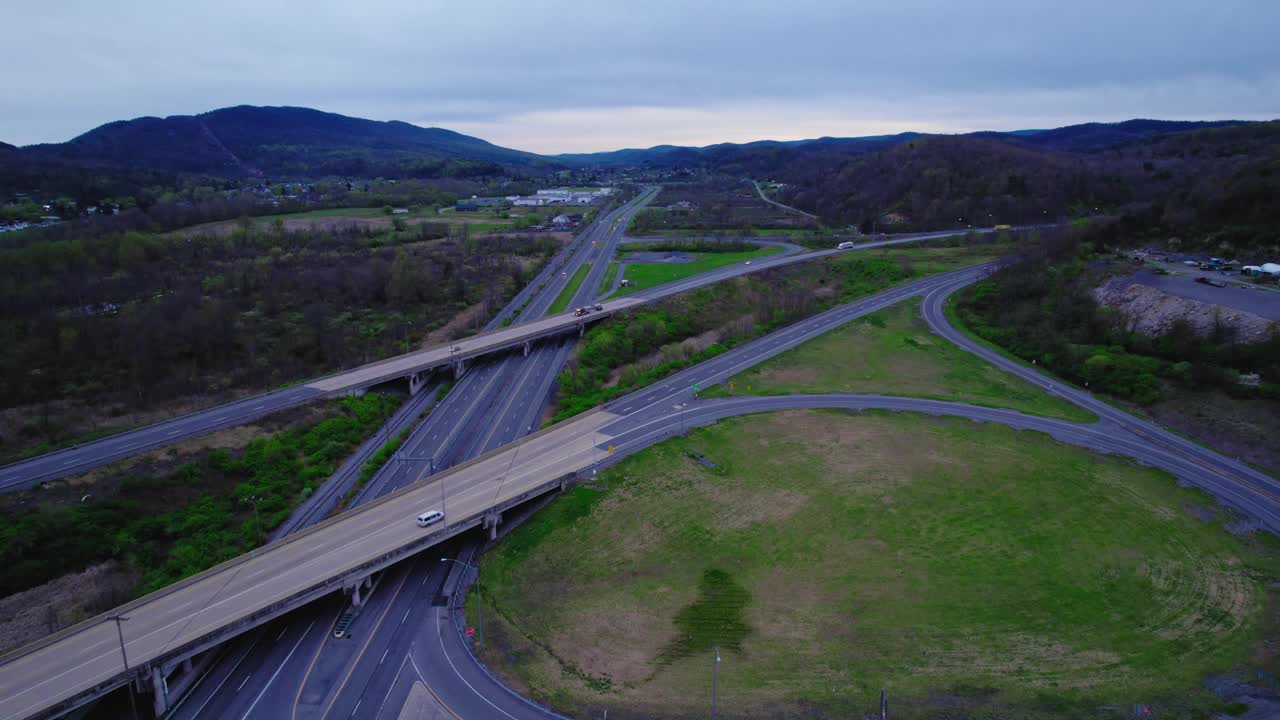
[1041, 310]
[140, 318]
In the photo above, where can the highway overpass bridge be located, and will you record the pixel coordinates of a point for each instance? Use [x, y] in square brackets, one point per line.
[164, 629]
[168, 627]
[415, 366]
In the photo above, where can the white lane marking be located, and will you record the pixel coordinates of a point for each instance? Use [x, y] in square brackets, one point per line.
[242, 682]
[277, 672]
[440, 637]
[230, 672]
[73, 461]
[384, 658]
[282, 632]
[406, 612]
[174, 432]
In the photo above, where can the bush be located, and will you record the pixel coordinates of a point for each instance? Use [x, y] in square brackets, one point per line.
[275, 472]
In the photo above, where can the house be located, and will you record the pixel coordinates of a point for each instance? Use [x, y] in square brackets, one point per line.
[561, 221]
[466, 207]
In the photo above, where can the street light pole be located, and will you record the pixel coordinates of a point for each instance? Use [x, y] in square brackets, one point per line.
[479, 597]
[124, 657]
[257, 520]
[715, 665]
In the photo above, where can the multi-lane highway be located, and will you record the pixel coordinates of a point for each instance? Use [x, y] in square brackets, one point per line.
[493, 404]
[80, 659]
[530, 328]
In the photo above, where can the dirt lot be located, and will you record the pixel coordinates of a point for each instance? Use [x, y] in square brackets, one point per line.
[31, 615]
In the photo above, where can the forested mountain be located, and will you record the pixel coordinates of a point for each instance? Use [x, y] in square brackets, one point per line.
[248, 141]
[1100, 136]
[1088, 136]
[1215, 181]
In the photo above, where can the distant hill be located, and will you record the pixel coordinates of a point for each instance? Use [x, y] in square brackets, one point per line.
[1072, 138]
[1099, 136]
[283, 141]
[1213, 178]
[7, 146]
[734, 153]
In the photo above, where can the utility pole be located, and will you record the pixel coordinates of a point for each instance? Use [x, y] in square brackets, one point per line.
[124, 657]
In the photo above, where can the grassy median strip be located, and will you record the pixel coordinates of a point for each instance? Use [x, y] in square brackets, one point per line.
[894, 352]
[646, 275]
[609, 274]
[830, 554]
[562, 300]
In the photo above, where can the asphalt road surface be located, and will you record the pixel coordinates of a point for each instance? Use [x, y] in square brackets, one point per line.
[776, 204]
[493, 404]
[1262, 302]
[630, 423]
[29, 473]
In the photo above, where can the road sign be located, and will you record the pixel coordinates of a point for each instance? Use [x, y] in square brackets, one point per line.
[610, 449]
[471, 632]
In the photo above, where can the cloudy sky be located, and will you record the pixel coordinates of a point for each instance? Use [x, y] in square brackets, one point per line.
[551, 76]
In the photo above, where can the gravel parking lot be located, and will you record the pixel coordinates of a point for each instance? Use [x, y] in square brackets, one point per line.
[1263, 302]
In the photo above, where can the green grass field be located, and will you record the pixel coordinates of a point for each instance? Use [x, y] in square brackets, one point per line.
[972, 570]
[562, 300]
[647, 275]
[893, 352]
[606, 282]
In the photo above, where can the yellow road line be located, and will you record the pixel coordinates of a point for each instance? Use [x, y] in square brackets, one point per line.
[369, 639]
[296, 698]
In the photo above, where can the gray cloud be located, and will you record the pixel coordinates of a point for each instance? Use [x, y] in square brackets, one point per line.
[553, 76]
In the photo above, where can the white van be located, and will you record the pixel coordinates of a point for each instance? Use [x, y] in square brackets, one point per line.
[431, 517]
[846, 245]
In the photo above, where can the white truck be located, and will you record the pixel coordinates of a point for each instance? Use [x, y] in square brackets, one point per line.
[846, 245]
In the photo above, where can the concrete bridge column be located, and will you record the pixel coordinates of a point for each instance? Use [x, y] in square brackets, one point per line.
[582, 329]
[356, 600]
[526, 348]
[459, 369]
[160, 688]
[491, 521]
[417, 381]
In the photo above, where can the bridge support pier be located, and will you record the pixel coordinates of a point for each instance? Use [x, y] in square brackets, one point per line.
[160, 688]
[365, 583]
[582, 329]
[526, 348]
[417, 381]
[459, 369]
[491, 522]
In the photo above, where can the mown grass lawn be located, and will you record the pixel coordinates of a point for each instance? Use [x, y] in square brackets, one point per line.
[562, 300]
[893, 352]
[647, 275]
[969, 569]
